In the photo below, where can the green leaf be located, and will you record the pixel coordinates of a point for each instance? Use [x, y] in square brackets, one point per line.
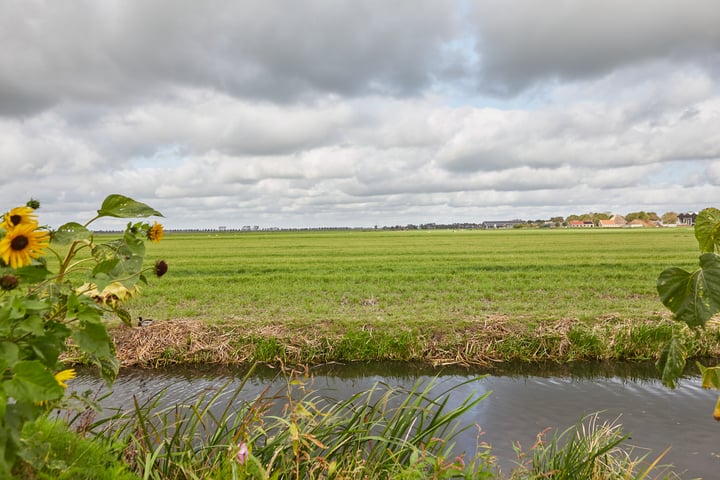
[120, 206]
[128, 255]
[710, 376]
[3, 405]
[83, 308]
[671, 362]
[49, 346]
[32, 382]
[35, 305]
[124, 315]
[707, 229]
[32, 324]
[92, 338]
[106, 266]
[105, 252]
[35, 273]
[6, 315]
[71, 232]
[9, 354]
[109, 368]
[693, 297]
[101, 280]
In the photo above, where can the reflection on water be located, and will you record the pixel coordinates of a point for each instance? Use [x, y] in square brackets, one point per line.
[525, 400]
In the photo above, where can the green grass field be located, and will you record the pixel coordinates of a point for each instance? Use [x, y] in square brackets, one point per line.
[449, 295]
[413, 277]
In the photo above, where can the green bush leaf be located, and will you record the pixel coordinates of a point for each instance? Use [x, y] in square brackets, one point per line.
[32, 382]
[693, 297]
[707, 229]
[671, 362]
[71, 232]
[121, 206]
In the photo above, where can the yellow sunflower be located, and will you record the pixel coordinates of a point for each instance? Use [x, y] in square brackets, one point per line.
[155, 233]
[23, 243]
[64, 375]
[19, 216]
[111, 295]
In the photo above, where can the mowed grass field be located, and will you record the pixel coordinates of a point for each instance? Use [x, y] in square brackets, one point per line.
[413, 277]
[307, 292]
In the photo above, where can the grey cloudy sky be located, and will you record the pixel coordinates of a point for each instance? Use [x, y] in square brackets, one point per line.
[360, 113]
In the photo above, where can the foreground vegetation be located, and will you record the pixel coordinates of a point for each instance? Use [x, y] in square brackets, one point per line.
[472, 297]
[381, 433]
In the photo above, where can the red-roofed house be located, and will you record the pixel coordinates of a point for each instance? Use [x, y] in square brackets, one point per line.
[616, 221]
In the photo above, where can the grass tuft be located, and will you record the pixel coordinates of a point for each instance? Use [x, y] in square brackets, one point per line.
[589, 450]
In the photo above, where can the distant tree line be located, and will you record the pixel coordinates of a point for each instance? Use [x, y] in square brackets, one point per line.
[594, 217]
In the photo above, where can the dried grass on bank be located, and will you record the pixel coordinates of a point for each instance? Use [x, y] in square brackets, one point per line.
[178, 341]
[491, 339]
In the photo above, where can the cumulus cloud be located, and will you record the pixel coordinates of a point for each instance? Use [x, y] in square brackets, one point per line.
[109, 52]
[527, 42]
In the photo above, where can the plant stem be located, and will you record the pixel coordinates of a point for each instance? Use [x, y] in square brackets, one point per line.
[66, 263]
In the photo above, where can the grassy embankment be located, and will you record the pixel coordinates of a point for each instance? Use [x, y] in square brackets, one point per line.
[436, 296]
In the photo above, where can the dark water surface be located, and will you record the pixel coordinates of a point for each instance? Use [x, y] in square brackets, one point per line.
[525, 400]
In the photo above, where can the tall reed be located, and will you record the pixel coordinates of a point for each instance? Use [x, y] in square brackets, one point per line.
[590, 450]
[382, 433]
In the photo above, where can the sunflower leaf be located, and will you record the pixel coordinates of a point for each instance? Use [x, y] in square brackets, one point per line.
[93, 338]
[32, 382]
[108, 368]
[694, 297]
[707, 229]
[124, 315]
[9, 355]
[105, 266]
[671, 362]
[120, 206]
[710, 376]
[71, 232]
[34, 273]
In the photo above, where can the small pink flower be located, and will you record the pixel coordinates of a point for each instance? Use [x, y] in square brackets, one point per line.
[242, 453]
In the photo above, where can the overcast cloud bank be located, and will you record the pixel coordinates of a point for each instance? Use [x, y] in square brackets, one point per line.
[364, 113]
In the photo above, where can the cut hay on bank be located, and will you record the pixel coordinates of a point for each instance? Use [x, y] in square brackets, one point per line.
[177, 341]
[488, 340]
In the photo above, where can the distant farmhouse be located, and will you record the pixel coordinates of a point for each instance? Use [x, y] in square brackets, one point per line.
[501, 224]
[580, 224]
[687, 219]
[617, 221]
